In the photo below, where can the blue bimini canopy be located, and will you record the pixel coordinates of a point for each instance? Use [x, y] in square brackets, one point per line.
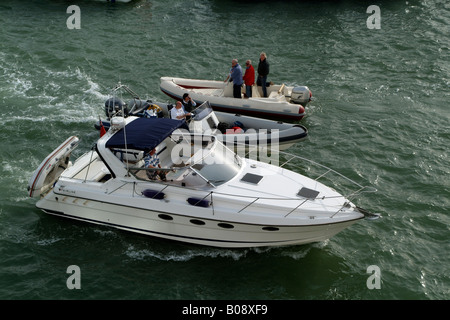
[145, 133]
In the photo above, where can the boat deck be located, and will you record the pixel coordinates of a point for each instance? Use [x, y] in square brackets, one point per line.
[217, 92]
[273, 92]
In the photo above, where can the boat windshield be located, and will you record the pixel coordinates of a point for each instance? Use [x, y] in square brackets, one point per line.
[202, 111]
[219, 166]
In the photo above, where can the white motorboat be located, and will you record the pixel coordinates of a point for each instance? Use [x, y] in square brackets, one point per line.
[210, 196]
[231, 129]
[283, 102]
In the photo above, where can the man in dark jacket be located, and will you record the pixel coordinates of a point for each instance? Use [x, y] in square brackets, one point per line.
[188, 103]
[263, 71]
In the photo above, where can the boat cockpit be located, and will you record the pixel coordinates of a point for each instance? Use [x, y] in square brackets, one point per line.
[192, 160]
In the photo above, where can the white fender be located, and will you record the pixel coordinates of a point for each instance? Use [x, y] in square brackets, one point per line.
[51, 168]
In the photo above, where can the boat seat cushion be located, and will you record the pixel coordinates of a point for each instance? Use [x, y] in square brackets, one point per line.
[255, 92]
[133, 156]
[273, 95]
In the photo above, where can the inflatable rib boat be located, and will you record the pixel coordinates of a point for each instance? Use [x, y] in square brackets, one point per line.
[282, 103]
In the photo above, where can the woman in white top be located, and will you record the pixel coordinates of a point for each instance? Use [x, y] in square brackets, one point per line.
[178, 112]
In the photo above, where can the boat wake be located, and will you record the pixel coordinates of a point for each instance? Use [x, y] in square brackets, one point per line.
[184, 255]
[65, 94]
[293, 252]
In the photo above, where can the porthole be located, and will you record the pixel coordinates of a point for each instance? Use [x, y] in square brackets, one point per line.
[270, 228]
[165, 217]
[225, 225]
[197, 222]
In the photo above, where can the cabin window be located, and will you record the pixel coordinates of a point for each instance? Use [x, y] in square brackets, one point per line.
[197, 222]
[165, 217]
[225, 225]
[211, 123]
[270, 228]
[105, 178]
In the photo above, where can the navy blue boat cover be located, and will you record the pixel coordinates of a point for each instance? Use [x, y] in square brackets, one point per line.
[145, 133]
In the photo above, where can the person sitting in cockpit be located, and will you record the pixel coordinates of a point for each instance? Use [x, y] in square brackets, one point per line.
[152, 161]
[178, 112]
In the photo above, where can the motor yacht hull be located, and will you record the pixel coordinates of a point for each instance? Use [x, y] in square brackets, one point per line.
[184, 227]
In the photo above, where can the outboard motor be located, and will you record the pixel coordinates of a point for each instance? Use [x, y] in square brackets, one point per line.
[115, 105]
[301, 95]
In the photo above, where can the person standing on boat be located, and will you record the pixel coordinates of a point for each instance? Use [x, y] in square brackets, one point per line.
[178, 112]
[249, 78]
[236, 76]
[263, 71]
[188, 103]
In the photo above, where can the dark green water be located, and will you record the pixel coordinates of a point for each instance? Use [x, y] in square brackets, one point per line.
[380, 115]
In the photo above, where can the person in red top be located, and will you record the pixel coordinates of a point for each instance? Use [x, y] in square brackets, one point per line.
[249, 78]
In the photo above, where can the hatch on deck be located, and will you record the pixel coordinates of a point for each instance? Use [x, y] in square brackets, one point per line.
[251, 178]
[308, 193]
